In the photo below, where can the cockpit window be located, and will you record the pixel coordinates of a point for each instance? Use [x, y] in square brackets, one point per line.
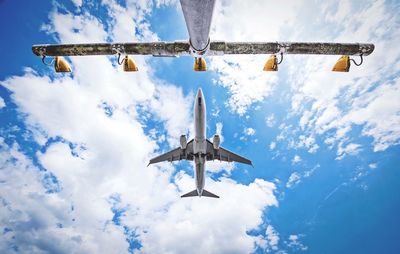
[199, 100]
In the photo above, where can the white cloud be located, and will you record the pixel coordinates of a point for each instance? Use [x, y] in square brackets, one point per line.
[215, 112]
[218, 166]
[185, 230]
[218, 131]
[126, 20]
[306, 142]
[294, 179]
[349, 149]
[308, 173]
[270, 120]
[246, 83]
[45, 222]
[272, 237]
[242, 75]
[175, 110]
[379, 111]
[296, 159]
[272, 145]
[373, 166]
[2, 103]
[364, 97]
[321, 107]
[249, 131]
[78, 3]
[294, 243]
[270, 242]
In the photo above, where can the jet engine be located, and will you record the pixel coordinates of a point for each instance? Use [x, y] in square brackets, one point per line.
[183, 141]
[216, 141]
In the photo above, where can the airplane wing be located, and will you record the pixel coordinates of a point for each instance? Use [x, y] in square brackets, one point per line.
[175, 155]
[216, 48]
[223, 154]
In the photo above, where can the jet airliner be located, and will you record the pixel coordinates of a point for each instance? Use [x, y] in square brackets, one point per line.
[200, 150]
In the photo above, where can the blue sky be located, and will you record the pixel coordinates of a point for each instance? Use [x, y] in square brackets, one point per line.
[74, 147]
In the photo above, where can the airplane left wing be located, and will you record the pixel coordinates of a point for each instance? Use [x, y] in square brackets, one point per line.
[175, 155]
[223, 154]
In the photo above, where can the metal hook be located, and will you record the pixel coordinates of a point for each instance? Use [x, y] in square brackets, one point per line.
[281, 59]
[358, 64]
[119, 57]
[48, 64]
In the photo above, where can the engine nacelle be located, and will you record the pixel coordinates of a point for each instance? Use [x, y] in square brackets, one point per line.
[183, 141]
[216, 141]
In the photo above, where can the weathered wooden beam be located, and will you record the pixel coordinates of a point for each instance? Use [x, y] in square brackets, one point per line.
[313, 48]
[141, 48]
[178, 48]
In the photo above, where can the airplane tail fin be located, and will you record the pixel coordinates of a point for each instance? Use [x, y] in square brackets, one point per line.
[195, 194]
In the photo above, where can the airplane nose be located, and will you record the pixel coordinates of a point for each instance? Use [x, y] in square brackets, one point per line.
[199, 93]
[199, 96]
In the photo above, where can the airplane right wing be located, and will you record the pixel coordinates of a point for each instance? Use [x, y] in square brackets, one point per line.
[223, 154]
[175, 155]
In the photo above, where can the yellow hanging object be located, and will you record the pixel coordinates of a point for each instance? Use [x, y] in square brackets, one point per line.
[61, 65]
[342, 65]
[271, 64]
[199, 64]
[129, 64]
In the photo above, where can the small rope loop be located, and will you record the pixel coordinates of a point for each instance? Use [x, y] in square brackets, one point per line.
[44, 62]
[358, 64]
[281, 59]
[119, 58]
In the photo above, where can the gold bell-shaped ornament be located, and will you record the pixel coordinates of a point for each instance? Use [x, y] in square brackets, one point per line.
[129, 64]
[271, 64]
[342, 65]
[61, 65]
[199, 64]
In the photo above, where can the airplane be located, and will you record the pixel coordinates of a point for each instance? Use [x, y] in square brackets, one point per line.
[198, 16]
[200, 150]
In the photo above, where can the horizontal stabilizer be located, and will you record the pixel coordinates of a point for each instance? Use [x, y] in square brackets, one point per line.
[209, 194]
[196, 194]
[190, 194]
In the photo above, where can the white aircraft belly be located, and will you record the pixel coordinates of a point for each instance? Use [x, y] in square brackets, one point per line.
[199, 146]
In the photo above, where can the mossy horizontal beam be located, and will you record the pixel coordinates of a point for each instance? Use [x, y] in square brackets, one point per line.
[177, 48]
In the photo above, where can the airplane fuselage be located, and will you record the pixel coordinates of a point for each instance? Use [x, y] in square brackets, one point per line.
[200, 143]
[198, 15]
